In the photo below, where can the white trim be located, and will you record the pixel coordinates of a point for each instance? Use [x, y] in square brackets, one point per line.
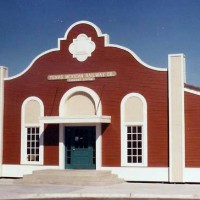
[138, 58]
[70, 92]
[170, 116]
[192, 91]
[3, 73]
[6, 70]
[133, 123]
[183, 64]
[62, 144]
[1, 117]
[183, 77]
[98, 147]
[192, 175]
[20, 170]
[23, 132]
[32, 125]
[98, 30]
[123, 130]
[30, 65]
[99, 33]
[156, 174]
[78, 119]
[107, 44]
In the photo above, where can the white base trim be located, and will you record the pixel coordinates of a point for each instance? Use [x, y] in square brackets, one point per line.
[155, 174]
[20, 170]
[192, 175]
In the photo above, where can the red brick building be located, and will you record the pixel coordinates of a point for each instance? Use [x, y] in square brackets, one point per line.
[89, 104]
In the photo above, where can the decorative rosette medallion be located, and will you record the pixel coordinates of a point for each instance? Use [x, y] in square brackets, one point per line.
[82, 47]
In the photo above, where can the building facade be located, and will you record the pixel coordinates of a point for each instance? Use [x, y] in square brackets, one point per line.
[89, 104]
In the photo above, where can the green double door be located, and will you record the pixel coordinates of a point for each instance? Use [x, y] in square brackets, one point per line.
[80, 150]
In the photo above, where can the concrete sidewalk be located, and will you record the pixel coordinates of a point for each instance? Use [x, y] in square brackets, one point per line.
[8, 190]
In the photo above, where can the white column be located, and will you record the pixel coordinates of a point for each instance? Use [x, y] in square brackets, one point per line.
[98, 147]
[176, 80]
[61, 146]
[3, 74]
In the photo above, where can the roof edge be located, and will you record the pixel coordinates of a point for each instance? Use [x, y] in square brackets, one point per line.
[100, 34]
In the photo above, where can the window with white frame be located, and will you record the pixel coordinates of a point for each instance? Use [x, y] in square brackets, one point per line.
[31, 131]
[133, 130]
[134, 144]
[33, 144]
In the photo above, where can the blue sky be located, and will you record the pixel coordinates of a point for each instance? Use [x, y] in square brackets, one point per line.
[151, 28]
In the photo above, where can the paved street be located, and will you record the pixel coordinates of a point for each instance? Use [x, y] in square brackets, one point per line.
[87, 198]
[8, 190]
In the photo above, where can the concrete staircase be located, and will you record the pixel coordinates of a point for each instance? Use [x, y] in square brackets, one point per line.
[71, 177]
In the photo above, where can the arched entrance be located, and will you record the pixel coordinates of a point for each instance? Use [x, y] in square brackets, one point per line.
[80, 112]
[80, 133]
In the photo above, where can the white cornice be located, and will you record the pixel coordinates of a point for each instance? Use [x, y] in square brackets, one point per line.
[77, 119]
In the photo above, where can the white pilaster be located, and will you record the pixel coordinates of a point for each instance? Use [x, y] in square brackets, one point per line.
[98, 147]
[61, 146]
[176, 80]
[3, 74]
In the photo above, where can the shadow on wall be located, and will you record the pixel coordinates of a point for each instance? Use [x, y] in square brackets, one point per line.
[51, 135]
[51, 144]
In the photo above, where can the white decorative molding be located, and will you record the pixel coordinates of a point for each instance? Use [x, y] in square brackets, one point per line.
[92, 93]
[82, 47]
[124, 125]
[106, 44]
[23, 132]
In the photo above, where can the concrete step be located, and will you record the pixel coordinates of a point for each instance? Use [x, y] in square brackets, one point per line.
[72, 177]
[72, 172]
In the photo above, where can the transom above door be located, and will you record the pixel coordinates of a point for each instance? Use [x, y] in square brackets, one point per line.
[80, 148]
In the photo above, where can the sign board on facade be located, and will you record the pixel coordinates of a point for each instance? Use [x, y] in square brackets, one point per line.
[82, 76]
